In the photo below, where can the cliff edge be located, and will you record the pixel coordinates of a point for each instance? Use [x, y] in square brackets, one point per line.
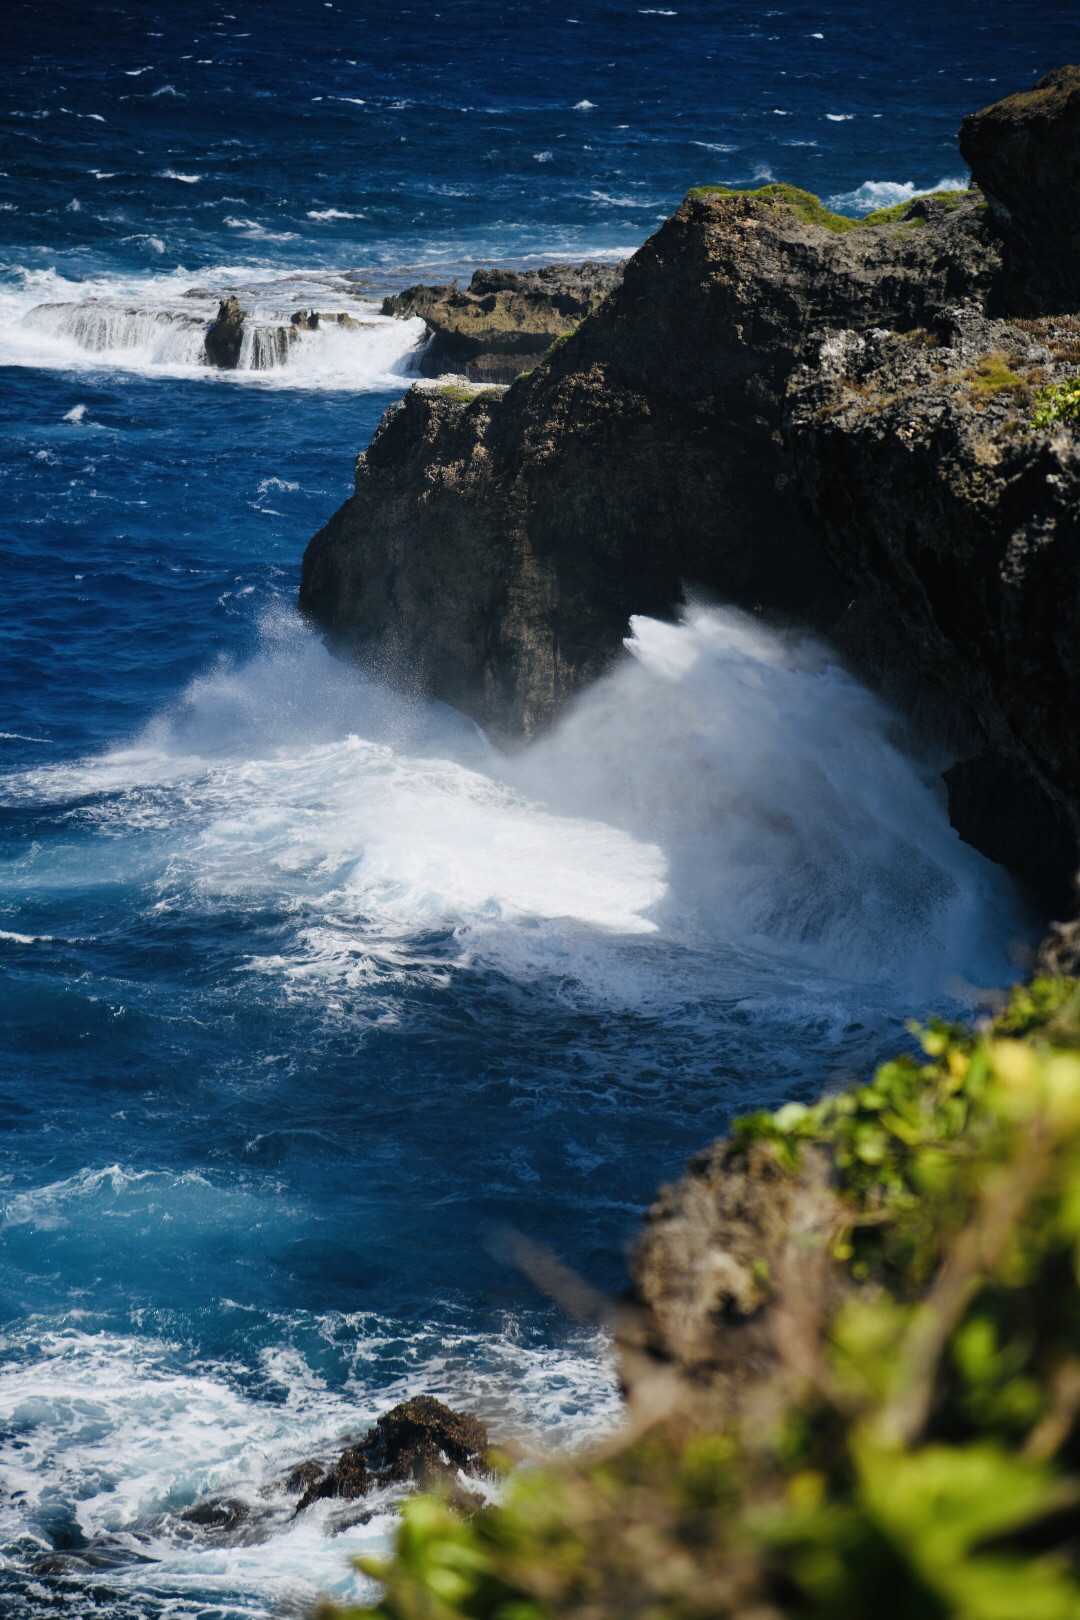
[687, 436]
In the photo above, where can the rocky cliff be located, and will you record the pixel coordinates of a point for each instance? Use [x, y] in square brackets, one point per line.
[497, 544]
[694, 432]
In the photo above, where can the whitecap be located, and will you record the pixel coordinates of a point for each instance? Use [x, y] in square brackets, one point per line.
[175, 174]
[332, 213]
[874, 194]
[583, 106]
[839, 118]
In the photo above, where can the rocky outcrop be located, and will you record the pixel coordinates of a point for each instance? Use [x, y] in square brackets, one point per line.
[1025, 153]
[728, 1255]
[420, 1443]
[506, 320]
[694, 432]
[496, 545]
[942, 498]
[225, 337]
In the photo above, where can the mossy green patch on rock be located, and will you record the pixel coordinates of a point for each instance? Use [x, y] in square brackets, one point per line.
[991, 375]
[950, 200]
[812, 211]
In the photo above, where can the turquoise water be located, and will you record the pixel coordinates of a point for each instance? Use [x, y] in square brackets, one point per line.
[307, 991]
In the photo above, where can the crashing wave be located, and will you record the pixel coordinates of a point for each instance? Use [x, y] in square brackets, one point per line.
[355, 347]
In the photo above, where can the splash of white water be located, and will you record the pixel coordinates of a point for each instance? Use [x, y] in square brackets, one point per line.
[157, 326]
[725, 789]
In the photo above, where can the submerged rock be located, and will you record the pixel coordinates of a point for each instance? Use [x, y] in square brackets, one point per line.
[225, 337]
[506, 320]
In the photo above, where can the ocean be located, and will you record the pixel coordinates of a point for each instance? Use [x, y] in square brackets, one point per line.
[307, 990]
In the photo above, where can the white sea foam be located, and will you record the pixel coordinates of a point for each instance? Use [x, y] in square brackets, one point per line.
[725, 790]
[874, 194]
[152, 325]
[118, 1433]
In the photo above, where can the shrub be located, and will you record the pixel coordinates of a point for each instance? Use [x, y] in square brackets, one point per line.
[921, 1457]
[1058, 403]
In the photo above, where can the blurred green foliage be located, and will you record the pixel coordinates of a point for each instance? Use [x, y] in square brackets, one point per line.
[926, 1463]
[1058, 403]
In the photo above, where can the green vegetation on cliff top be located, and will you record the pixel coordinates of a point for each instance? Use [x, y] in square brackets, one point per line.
[916, 1449]
[812, 211]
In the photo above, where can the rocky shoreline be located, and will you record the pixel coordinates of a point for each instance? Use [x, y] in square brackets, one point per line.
[717, 424]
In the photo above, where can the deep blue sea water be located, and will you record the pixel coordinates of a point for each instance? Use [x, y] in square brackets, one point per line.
[305, 991]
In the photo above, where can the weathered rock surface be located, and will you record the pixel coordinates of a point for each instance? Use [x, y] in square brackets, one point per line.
[420, 1442]
[939, 497]
[225, 336]
[1025, 154]
[496, 546]
[506, 320]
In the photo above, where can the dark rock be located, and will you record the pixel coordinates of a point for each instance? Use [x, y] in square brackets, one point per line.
[349, 1477]
[226, 335]
[300, 1479]
[506, 320]
[420, 1442]
[939, 497]
[217, 1513]
[1025, 154]
[1004, 813]
[495, 547]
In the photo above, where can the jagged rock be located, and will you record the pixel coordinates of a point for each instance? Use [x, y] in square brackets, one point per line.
[420, 1442]
[225, 336]
[1025, 154]
[937, 494]
[730, 1259]
[506, 320]
[495, 548]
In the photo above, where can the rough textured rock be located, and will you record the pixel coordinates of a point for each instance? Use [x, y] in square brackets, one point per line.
[496, 546]
[732, 1258]
[938, 495]
[225, 337]
[421, 1442]
[1025, 154]
[506, 320]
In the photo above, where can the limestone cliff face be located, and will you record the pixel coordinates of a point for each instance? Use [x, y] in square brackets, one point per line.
[940, 496]
[496, 545]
